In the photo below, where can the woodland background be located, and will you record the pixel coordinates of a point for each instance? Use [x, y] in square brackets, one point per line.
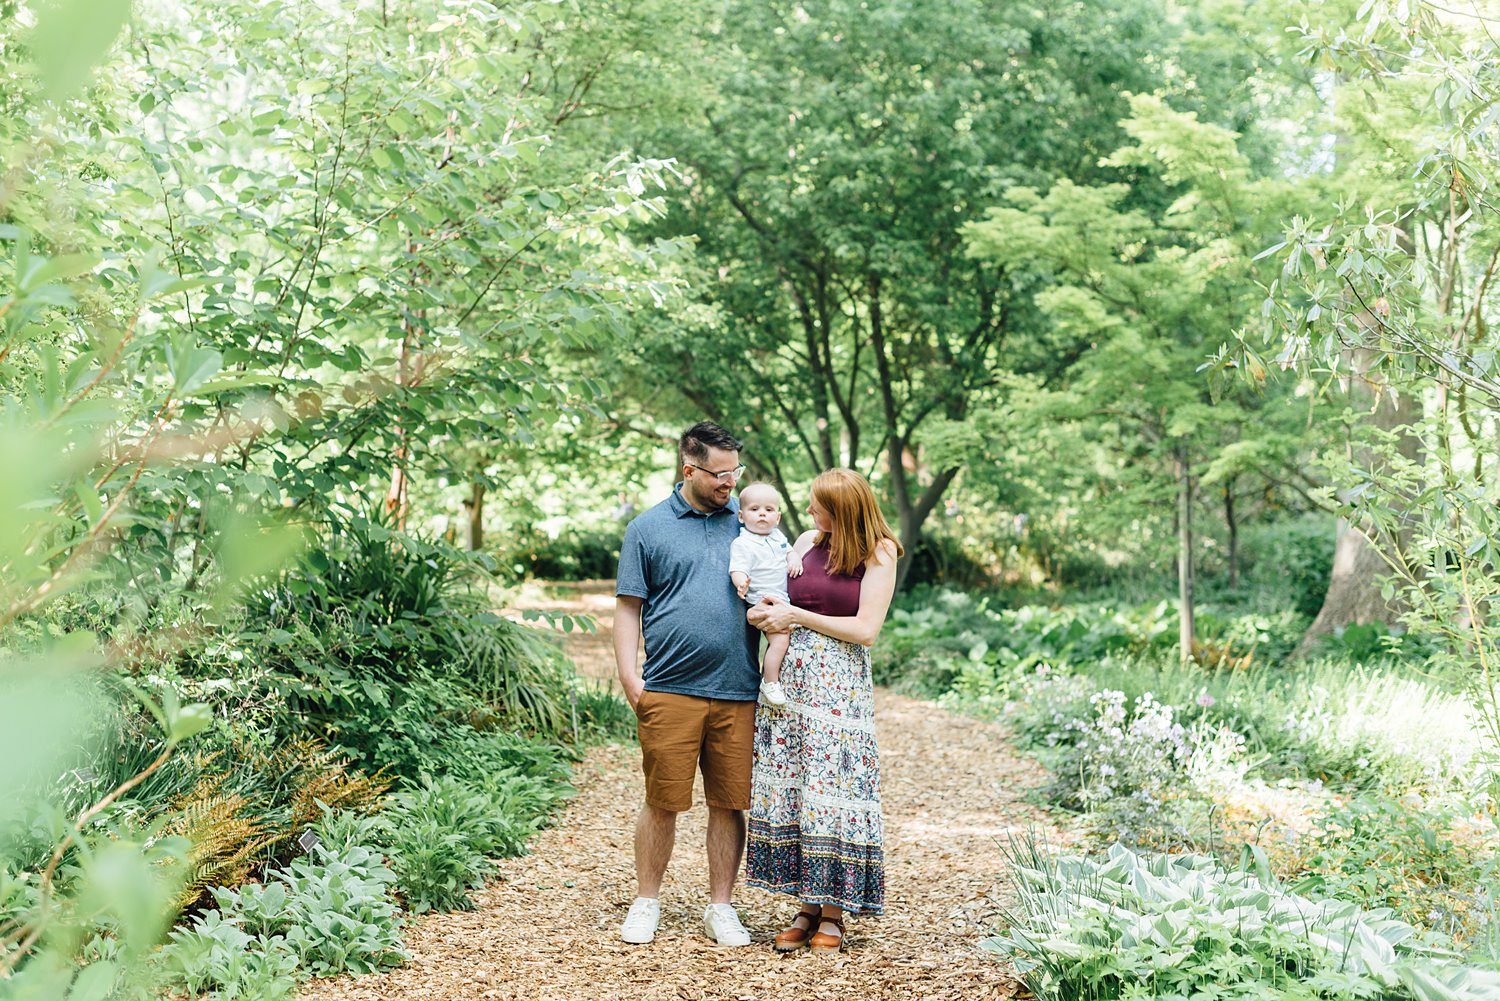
[1163, 330]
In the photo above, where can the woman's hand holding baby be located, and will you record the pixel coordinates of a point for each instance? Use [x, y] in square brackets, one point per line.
[773, 615]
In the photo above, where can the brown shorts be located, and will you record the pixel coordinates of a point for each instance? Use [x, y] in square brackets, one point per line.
[680, 734]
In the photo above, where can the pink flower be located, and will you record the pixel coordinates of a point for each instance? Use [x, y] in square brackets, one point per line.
[1205, 700]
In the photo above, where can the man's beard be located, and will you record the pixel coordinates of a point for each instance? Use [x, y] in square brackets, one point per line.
[704, 499]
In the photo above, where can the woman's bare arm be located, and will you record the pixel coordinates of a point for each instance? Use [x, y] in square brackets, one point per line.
[804, 542]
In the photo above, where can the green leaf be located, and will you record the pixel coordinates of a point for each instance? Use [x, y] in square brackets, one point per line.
[71, 38]
[93, 508]
[200, 365]
[40, 271]
[188, 721]
[95, 983]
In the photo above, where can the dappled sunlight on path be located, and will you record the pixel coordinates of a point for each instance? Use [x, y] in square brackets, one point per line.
[547, 927]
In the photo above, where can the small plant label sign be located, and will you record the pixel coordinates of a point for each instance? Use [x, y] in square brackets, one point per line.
[86, 776]
[308, 841]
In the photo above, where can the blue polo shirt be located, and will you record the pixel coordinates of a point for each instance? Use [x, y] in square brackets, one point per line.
[676, 558]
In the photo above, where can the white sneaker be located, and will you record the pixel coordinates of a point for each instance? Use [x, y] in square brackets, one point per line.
[641, 921]
[772, 694]
[722, 924]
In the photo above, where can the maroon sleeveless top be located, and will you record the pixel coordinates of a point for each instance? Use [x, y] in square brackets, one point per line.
[821, 591]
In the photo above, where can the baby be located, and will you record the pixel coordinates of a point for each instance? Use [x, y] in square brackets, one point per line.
[759, 562]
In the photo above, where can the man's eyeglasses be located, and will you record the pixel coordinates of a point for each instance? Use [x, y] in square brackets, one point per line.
[727, 476]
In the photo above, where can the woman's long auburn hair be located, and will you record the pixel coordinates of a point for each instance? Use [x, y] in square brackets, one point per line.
[858, 524]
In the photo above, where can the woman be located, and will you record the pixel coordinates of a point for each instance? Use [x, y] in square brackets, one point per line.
[815, 826]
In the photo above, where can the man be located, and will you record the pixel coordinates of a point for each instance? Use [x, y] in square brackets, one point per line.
[695, 696]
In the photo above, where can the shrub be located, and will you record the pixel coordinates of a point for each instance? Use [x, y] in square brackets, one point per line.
[1292, 559]
[1131, 764]
[1045, 702]
[943, 560]
[1352, 726]
[1402, 854]
[603, 715]
[1116, 753]
[573, 554]
[1180, 926]
[436, 866]
[937, 639]
[334, 909]
[215, 954]
[385, 642]
[440, 833]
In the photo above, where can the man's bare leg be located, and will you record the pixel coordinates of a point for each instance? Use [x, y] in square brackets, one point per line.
[655, 834]
[726, 850]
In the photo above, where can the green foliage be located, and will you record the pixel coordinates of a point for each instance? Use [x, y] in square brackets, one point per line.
[941, 560]
[844, 318]
[1137, 926]
[1407, 856]
[573, 554]
[441, 833]
[385, 642]
[1291, 559]
[334, 911]
[604, 715]
[436, 865]
[215, 953]
[1385, 292]
[316, 917]
[220, 316]
[944, 640]
[1351, 726]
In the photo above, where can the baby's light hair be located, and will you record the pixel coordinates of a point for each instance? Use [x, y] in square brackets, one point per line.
[759, 483]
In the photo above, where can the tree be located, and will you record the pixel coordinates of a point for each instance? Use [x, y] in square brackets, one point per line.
[1152, 296]
[1393, 290]
[836, 163]
[375, 242]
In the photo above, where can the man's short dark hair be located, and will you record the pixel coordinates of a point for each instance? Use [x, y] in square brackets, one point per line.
[698, 439]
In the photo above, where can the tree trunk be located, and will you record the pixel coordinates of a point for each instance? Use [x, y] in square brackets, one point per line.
[397, 502]
[475, 507]
[911, 514]
[1354, 596]
[1234, 536]
[1184, 557]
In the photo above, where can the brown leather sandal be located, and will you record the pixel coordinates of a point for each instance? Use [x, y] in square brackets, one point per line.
[795, 938]
[828, 943]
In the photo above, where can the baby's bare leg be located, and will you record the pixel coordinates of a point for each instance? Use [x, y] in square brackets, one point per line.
[776, 644]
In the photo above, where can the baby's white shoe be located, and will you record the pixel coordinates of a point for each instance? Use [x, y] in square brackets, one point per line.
[772, 694]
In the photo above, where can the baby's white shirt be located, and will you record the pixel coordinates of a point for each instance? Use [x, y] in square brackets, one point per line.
[763, 558]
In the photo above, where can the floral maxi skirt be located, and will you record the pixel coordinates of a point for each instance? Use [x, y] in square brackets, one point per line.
[815, 826]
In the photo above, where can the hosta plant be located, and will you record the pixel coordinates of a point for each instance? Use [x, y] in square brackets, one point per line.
[1183, 927]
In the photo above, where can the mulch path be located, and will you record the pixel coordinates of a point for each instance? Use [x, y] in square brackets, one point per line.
[546, 927]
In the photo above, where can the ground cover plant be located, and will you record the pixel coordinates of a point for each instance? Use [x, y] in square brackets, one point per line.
[1358, 780]
[327, 914]
[1183, 926]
